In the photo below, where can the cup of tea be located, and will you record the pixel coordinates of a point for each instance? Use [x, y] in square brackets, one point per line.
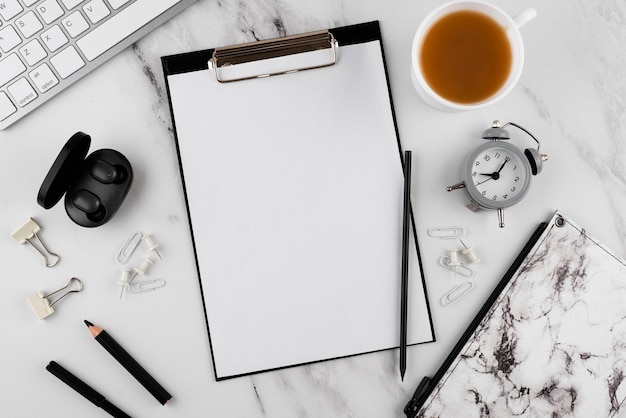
[467, 54]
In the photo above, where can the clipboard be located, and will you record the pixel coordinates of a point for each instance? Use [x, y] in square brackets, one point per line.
[293, 186]
[548, 341]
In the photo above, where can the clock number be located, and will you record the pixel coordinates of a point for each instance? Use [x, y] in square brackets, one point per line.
[514, 167]
[516, 179]
[487, 158]
[505, 196]
[477, 163]
[484, 192]
[513, 188]
[474, 174]
[497, 155]
[495, 197]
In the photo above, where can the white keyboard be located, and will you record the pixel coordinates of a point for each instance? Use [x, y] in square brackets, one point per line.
[46, 45]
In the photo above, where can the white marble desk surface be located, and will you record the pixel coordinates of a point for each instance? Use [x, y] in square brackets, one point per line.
[571, 96]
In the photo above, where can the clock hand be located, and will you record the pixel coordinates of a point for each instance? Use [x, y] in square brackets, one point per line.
[506, 160]
[481, 182]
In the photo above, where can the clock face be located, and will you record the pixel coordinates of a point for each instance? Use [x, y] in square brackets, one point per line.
[498, 175]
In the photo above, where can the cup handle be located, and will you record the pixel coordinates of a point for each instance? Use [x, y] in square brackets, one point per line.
[524, 17]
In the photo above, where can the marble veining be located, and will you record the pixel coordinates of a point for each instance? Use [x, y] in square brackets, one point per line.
[551, 345]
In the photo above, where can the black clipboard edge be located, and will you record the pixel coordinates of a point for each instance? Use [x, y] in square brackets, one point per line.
[427, 385]
[198, 61]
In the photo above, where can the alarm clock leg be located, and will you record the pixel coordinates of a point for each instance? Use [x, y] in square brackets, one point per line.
[501, 218]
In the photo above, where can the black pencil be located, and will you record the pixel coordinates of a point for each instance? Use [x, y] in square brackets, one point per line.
[129, 363]
[84, 389]
[405, 261]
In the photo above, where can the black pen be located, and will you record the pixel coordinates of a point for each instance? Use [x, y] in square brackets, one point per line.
[84, 389]
[405, 260]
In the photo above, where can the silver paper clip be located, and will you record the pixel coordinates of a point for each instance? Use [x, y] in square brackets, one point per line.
[123, 255]
[41, 303]
[446, 232]
[456, 293]
[460, 268]
[27, 232]
[145, 285]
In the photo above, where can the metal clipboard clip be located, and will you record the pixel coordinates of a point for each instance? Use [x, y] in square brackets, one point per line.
[223, 59]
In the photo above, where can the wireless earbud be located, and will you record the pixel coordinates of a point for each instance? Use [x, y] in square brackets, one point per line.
[94, 185]
[90, 204]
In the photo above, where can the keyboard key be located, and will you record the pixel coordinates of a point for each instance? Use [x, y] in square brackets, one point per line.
[30, 2]
[75, 24]
[50, 11]
[10, 67]
[9, 9]
[96, 10]
[120, 26]
[43, 77]
[22, 92]
[67, 62]
[116, 4]
[28, 24]
[6, 107]
[33, 52]
[70, 4]
[9, 38]
[54, 38]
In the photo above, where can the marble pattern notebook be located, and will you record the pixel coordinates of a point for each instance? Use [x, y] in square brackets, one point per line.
[553, 343]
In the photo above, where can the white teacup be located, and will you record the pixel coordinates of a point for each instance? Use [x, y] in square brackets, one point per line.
[510, 27]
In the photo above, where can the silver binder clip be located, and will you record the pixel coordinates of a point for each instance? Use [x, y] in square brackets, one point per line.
[41, 303]
[27, 232]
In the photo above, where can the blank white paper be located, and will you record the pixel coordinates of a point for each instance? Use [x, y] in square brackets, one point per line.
[295, 185]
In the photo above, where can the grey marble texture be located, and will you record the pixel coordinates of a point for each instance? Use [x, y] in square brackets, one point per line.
[552, 343]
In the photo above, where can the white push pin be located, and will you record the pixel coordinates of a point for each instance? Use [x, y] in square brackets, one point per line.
[453, 262]
[124, 281]
[41, 303]
[152, 246]
[27, 232]
[141, 270]
[469, 253]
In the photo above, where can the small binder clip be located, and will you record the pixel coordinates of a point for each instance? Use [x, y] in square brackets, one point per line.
[456, 293]
[26, 232]
[41, 303]
[123, 255]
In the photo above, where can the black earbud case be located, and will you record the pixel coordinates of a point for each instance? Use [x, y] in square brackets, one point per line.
[94, 187]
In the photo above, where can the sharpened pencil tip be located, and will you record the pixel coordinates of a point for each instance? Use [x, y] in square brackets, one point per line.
[89, 324]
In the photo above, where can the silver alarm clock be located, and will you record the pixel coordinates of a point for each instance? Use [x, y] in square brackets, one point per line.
[498, 174]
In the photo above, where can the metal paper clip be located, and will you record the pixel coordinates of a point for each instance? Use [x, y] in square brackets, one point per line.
[456, 293]
[146, 285]
[26, 232]
[460, 268]
[41, 303]
[446, 232]
[123, 255]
